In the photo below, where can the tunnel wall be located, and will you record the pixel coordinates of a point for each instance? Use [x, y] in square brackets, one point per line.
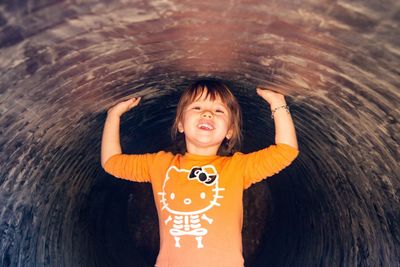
[64, 63]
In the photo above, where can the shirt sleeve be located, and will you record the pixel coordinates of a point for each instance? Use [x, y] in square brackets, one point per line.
[266, 162]
[130, 166]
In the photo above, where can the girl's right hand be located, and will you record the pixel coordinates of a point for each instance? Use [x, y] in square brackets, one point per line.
[124, 106]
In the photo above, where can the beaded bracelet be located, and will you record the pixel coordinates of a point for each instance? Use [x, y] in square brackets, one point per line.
[275, 109]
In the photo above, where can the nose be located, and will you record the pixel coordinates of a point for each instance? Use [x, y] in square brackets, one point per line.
[187, 201]
[207, 114]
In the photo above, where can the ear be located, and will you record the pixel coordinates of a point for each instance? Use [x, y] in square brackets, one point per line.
[229, 134]
[180, 127]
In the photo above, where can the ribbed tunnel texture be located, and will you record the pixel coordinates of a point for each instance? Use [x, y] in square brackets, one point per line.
[63, 64]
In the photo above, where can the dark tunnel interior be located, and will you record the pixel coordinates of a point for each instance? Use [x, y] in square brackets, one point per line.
[65, 63]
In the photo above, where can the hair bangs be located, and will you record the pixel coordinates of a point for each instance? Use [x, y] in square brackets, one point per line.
[199, 89]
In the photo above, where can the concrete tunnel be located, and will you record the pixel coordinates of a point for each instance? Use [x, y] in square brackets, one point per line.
[64, 63]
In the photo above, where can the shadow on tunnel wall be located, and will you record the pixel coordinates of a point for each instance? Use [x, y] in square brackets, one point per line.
[63, 64]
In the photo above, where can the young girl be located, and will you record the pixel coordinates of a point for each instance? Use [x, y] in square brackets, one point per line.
[198, 193]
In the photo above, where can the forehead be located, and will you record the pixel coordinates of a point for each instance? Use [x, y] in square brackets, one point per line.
[205, 95]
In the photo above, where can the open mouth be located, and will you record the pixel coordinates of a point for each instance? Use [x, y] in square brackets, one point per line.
[205, 126]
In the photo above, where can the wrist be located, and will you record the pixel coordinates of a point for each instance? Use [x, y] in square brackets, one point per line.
[277, 104]
[282, 106]
[113, 114]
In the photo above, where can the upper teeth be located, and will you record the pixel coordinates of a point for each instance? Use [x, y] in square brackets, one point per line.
[205, 125]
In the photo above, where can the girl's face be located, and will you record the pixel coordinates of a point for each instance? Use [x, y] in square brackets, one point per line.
[205, 124]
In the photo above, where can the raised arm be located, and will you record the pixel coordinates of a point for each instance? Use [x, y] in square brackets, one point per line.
[284, 126]
[110, 143]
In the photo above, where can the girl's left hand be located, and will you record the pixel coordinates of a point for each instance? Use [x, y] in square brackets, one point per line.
[272, 97]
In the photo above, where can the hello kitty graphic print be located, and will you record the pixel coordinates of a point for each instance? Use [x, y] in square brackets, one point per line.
[187, 195]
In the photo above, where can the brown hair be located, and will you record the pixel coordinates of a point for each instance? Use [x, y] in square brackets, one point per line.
[214, 89]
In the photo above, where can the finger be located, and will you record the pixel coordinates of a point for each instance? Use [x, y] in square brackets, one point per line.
[134, 102]
[133, 99]
[262, 92]
[137, 100]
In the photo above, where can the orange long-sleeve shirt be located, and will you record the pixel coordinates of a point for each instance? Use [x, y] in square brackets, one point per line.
[199, 200]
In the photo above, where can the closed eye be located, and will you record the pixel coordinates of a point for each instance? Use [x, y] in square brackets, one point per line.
[196, 108]
[219, 111]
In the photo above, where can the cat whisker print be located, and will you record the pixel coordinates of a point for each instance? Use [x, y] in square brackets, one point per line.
[215, 203]
[218, 189]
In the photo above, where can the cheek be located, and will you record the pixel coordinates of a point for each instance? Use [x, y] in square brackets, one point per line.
[226, 122]
[183, 118]
[188, 117]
